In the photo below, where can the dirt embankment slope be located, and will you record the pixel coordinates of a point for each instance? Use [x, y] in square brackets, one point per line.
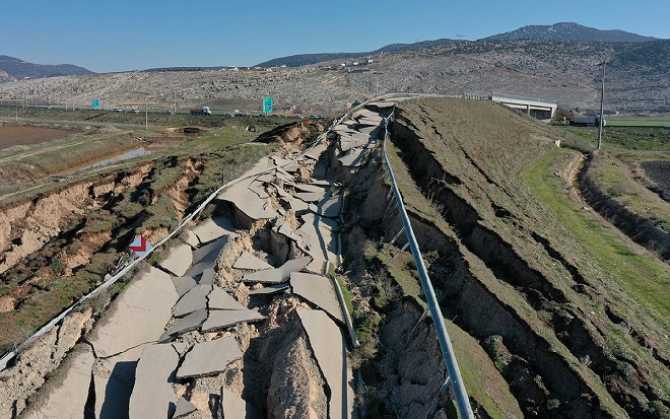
[570, 341]
[643, 214]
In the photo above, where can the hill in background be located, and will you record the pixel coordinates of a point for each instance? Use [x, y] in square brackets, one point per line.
[15, 68]
[568, 32]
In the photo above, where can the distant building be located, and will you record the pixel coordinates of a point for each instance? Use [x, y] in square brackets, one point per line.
[585, 120]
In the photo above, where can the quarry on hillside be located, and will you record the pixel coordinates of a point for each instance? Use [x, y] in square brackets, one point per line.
[293, 292]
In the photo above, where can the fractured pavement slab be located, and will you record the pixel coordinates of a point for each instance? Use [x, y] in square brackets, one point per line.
[214, 228]
[178, 259]
[67, 400]
[152, 393]
[222, 319]
[205, 257]
[182, 284]
[195, 299]
[247, 201]
[250, 262]
[219, 299]
[208, 277]
[188, 323]
[183, 408]
[209, 358]
[269, 290]
[327, 342]
[318, 290]
[234, 406]
[113, 380]
[278, 275]
[138, 315]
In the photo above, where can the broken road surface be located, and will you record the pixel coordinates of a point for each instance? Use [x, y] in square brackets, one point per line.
[189, 336]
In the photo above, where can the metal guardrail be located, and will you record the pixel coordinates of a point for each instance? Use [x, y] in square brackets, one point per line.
[454, 379]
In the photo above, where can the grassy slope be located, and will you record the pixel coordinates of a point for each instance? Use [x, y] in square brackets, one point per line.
[642, 276]
[505, 147]
[482, 380]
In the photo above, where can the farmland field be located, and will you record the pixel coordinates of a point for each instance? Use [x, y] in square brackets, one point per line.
[19, 135]
[639, 121]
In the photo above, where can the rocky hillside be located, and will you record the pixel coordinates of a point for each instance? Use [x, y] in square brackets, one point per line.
[19, 69]
[568, 31]
[564, 71]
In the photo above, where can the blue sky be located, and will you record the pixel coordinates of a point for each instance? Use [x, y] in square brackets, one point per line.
[122, 34]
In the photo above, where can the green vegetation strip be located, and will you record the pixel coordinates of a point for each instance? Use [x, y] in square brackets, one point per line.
[642, 276]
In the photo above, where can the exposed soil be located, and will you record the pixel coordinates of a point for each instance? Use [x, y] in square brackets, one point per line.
[645, 231]
[659, 173]
[24, 135]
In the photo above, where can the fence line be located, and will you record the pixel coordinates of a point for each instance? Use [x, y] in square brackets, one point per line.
[454, 379]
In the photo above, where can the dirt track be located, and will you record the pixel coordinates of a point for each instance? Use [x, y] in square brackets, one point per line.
[11, 135]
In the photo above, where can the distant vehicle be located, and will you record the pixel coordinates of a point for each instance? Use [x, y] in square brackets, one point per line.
[205, 111]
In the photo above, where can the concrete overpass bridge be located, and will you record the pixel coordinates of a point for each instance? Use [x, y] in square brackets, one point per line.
[534, 107]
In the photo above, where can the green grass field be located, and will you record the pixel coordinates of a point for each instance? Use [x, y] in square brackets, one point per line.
[639, 121]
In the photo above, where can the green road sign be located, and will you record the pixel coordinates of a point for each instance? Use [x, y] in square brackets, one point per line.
[267, 104]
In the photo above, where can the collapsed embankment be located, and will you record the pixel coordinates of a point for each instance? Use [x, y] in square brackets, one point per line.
[508, 286]
[59, 245]
[658, 171]
[643, 230]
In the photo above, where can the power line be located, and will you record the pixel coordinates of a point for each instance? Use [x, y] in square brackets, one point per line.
[602, 107]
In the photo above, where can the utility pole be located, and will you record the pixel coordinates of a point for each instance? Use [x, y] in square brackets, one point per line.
[602, 108]
[146, 115]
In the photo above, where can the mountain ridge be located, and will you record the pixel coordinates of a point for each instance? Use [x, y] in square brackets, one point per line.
[558, 32]
[18, 69]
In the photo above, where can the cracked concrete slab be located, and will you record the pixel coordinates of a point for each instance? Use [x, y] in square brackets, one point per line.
[138, 315]
[327, 343]
[234, 406]
[304, 187]
[329, 207]
[195, 299]
[178, 259]
[209, 358]
[68, 399]
[318, 290]
[188, 323]
[297, 205]
[208, 277]
[219, 299]
[113, 380]
[205, 257]
[250, 262]
[183, 408]
[317, 233]
[309, 196]
[269, 290]
[191, 239]
[353, 158]
[214, 228]
[182, 284]
[280, 274]
[315, 152]
[152, 393]
[222, 319]
[248, 202]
